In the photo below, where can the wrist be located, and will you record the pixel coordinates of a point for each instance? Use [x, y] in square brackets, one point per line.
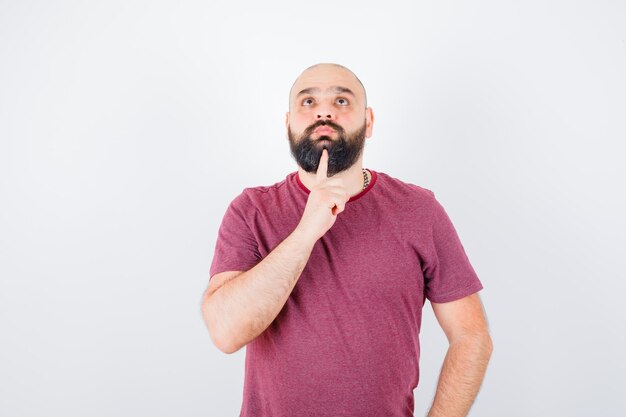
[303, 236]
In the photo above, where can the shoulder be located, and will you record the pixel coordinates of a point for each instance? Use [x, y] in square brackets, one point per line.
[405, 192]
[251, 198]
[264, 189]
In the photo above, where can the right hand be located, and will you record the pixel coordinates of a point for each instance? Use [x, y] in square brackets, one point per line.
[326, 200]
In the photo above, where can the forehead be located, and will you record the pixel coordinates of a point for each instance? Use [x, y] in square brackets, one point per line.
[324, 77]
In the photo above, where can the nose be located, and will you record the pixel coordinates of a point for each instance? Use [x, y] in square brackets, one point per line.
[324, 111]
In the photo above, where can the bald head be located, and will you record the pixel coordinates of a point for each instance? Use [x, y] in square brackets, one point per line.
[327, 72]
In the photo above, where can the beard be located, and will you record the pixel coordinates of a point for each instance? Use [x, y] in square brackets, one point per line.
[343, 152]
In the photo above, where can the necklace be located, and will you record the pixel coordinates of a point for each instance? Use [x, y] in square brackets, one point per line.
[366, 179]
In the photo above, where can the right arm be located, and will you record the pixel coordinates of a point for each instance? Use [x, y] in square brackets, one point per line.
[242, 307]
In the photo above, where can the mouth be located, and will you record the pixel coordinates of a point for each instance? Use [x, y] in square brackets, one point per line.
[324, 130]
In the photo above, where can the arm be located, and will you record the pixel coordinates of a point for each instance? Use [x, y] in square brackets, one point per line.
[244, 306]
[465, 364]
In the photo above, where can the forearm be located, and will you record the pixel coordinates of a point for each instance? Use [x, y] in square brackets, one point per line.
[245, 306]
[461, 375]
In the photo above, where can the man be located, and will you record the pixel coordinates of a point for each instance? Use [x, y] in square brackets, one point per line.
[323, 276]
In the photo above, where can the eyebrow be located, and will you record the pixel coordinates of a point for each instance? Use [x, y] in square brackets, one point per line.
[336, 89]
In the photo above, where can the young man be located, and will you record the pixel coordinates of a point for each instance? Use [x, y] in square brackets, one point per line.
[323, 276]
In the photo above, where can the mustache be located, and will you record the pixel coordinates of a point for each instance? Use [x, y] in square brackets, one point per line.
[309, 130]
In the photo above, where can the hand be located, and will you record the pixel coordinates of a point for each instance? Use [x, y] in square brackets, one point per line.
[326, 200]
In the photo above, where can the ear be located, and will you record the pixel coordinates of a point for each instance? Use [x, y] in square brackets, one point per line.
[369, 122]
[286, 120]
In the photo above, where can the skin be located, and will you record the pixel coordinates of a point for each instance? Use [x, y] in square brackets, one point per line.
[325, 103]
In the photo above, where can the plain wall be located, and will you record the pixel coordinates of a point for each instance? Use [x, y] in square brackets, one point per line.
[127, 127]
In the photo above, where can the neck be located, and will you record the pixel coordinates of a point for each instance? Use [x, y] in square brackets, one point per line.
[352, 177]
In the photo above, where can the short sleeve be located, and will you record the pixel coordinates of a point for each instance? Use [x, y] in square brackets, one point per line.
[236, 248]
[448, 273]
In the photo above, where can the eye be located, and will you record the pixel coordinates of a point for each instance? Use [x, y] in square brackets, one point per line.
[342, 101]
[307, 101]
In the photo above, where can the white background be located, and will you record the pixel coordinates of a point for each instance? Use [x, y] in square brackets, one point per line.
[127, 127]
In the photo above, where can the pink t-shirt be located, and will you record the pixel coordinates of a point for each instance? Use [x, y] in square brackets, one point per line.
[346, 343]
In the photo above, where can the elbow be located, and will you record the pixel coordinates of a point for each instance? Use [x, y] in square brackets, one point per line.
[486, 345]
[483, 342]
[228, 348]
[489, 346]
[225, 345]
[221, 341]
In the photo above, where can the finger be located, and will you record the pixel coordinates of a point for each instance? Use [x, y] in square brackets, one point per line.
[336, 182]
[338, 193]
[332, 193]
[338, 202]
[338, 208]
[322, 167]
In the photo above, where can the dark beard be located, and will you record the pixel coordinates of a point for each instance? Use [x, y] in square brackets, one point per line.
[342, 152]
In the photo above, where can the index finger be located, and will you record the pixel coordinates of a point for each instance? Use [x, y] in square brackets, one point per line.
[322, 167]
